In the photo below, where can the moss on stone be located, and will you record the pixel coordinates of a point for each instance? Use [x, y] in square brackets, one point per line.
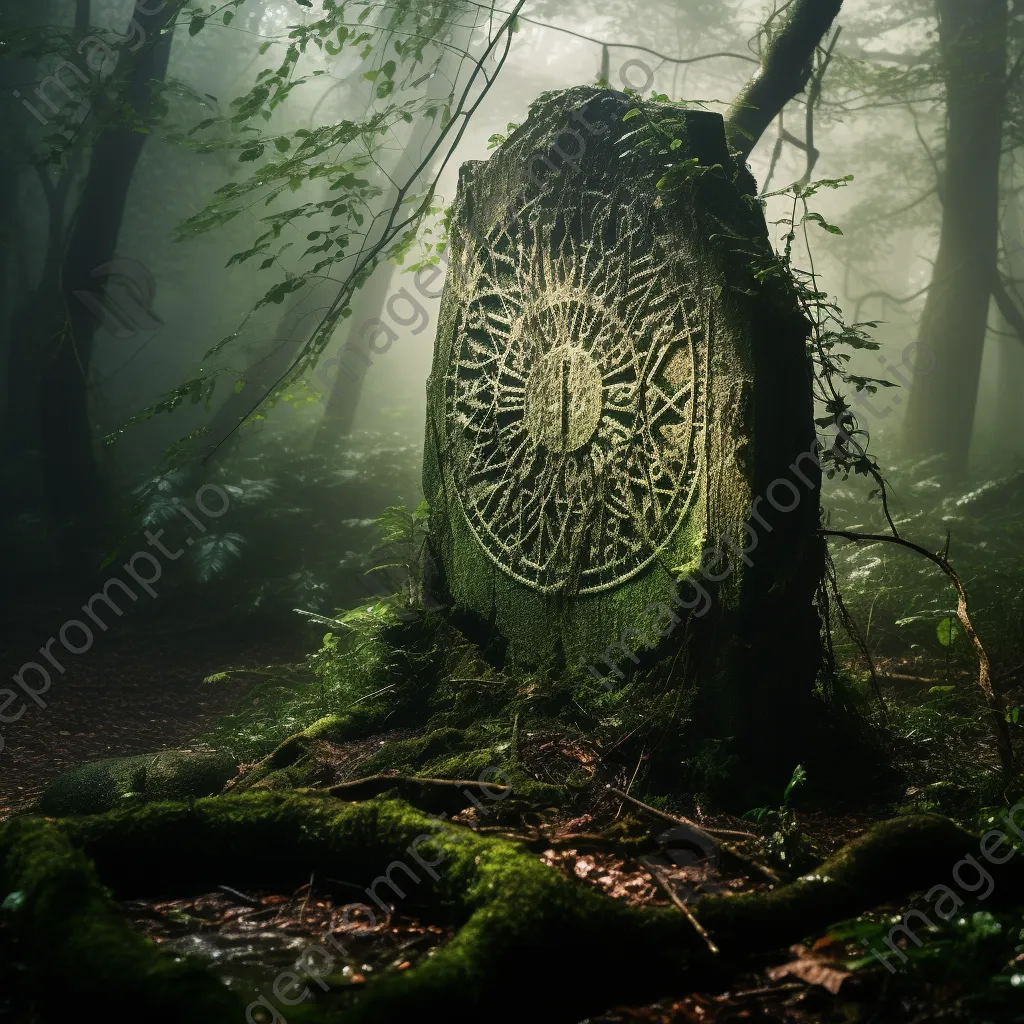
[169, 775]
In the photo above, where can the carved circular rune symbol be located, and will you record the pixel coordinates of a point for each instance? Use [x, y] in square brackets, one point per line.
[563, 399]
[575, 396]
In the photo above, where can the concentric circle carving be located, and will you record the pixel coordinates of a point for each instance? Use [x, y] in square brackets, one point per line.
[575, 394]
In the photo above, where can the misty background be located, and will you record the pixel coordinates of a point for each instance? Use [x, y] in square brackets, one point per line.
[314, 455]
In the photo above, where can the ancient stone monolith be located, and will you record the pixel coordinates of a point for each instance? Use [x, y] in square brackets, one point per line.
[620, 452]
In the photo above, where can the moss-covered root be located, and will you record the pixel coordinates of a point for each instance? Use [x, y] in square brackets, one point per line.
[436, 796]
[530, 945]
[298, 761]
[886, 864]
[121, 781]
[83, 956]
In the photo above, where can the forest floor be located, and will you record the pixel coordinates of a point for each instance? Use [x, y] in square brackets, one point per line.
[139, 689]
[250, 936]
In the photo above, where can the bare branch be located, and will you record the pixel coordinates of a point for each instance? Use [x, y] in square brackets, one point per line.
[813, 96]
[1010, 310]
[630, 46]
[909, 60]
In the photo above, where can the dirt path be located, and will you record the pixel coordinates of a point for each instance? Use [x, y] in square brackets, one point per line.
[138, 689]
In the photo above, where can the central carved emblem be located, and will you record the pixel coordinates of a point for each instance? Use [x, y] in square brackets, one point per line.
[575, 394]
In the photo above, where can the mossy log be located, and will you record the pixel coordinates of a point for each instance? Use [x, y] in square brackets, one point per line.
[114, 782]
[530, 944]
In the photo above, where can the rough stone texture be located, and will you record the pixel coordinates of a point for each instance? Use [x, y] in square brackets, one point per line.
[615, 382]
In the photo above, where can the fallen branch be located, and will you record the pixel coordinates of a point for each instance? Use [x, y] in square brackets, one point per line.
[710, 836]
[658, 874]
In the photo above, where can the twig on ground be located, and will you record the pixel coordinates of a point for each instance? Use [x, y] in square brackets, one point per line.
[309, 893]
[640, 761]
[240, 897]
[659, 877]
[678, 819]
[712, 836]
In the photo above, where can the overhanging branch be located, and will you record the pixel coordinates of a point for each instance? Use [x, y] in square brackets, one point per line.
[784, 72]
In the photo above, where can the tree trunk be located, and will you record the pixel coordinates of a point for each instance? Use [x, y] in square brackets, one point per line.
[347, 384]
[784, 72]
[353, 352]
[1008, 425]
[1008, 413]
[263, 375]
[17, 252]
[344, 386]
[940, 414]
[71, 480]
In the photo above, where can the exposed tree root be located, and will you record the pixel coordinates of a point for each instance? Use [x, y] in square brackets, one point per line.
[436, 796]
[84, 958]
[521, 926]
[294, 762]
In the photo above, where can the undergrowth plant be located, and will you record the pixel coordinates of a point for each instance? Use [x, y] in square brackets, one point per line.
[300, 525]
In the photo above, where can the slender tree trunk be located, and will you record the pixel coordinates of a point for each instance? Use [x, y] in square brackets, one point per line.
[18, 225]
[940, 414]
[1008, 412]
[71, 479]
[353, 353]
[347, 384]
[290, 333]
[273, 361]
[1008, 417]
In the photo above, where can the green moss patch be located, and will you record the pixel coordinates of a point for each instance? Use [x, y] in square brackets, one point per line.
[81, 955]
[116, 782]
